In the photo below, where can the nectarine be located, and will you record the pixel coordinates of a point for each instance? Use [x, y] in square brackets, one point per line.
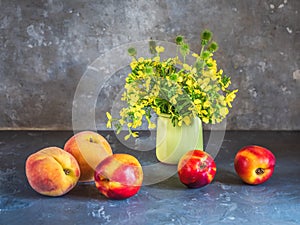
[119, 176]
[254, 164]
[196, 169]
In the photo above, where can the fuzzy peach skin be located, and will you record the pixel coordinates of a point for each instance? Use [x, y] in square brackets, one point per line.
[254, 164]
[52, 171]
[119, 176]
[196, 169]
[89, 148]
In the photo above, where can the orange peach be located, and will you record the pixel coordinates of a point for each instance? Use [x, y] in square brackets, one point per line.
[89, 148]
[119, 176]
[52, 171]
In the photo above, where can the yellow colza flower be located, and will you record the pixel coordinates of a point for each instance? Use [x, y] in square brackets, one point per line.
[206, 104]
[133, 65]
[151, 125]
[224, 111]
[211, 74]
[195, 55]
[133, 134]
[141, 74]
[204, 112]
[173, 100]
[221, 100]
[207, 88]
[137, 123]
[203, 82]
[179, 91]
[230, 97]
[189, 83]
[197, 91]
[197, 109]
[156, 89]
[134, 98]
[205, 120]
[187, 120]
[156, 59]
[179, 79]
[159, 49]
[141, 59]
[212, 64]
[197, 101]
[164, 64]
[187, 67]
[139, 113]
[193, 71]
[147, 83]
[109, 117]
[122, 122]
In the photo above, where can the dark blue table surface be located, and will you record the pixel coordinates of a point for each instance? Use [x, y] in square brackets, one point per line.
[227, 200]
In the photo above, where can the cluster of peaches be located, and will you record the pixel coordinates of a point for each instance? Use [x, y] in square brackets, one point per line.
[87, 157]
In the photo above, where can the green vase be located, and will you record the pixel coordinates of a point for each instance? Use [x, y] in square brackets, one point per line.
[172, 142]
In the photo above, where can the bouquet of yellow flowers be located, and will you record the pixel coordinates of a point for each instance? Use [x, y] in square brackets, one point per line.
[174, 88]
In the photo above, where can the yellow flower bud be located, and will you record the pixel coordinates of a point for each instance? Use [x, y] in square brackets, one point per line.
[205, 120]
[186, 67]
[224, 111]
[159, 49]
[197, 101]
[195, 55]
[108, 115]
[108, 124]
[156, 59]
[179, 79]
[206, 104]
[204, 112]
[135, 134]
[141, 59]
[189, 83]
[187, 120]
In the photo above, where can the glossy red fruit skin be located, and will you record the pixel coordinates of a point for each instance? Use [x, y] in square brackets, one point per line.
[254, 164]
[119, 176]
[196, 169]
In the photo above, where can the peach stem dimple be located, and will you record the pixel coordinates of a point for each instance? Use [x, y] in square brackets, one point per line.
[259, 171]
[67, 171]
[103, 178]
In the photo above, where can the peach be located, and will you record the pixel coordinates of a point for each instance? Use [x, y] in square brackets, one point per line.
[119, 176]
[52, 171]
[89, 148]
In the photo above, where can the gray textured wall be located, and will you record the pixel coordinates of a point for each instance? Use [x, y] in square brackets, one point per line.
[46, 46]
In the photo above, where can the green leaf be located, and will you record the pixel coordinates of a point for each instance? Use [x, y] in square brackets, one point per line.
[131, 51]
[152, 46]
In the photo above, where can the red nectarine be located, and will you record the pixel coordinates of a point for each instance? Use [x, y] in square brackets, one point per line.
[119, 176]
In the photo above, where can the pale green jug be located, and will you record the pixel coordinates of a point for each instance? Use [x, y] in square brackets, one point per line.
[172, 142]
